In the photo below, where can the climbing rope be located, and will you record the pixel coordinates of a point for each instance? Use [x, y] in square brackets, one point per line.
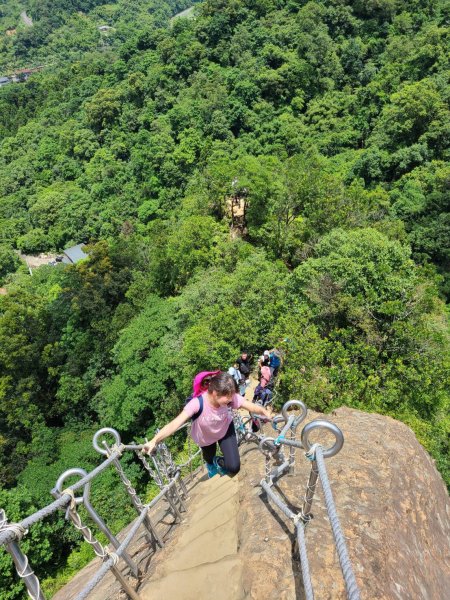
[304, 563]
[16, 528]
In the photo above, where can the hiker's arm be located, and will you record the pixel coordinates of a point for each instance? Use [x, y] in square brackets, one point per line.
[166, 431]
[256, 409]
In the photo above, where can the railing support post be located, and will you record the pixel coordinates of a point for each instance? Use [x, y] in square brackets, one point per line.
[24, 571]
[100, 551]
[309, 494]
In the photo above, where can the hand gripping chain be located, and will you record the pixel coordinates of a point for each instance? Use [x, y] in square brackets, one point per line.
[167, 475]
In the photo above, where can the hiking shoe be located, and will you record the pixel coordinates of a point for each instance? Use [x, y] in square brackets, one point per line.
[219, 464]
[212, 470]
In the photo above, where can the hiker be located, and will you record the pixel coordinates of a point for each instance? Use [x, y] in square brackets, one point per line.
[238, 378]
[244, 364]
[264, 359]
[262, 395]
[266, 376]
[212, 422]
[274, 362]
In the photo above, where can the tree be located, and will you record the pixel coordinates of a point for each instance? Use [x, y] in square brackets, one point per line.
[190, 247]
[103, 109]
[9, 261]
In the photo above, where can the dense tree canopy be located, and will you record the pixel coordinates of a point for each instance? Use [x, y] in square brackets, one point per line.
[326, 123]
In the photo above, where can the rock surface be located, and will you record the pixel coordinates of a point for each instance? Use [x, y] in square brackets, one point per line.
[391, 501]
[393, 508]
[202, 560]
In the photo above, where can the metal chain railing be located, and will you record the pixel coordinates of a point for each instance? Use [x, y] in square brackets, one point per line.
[12, 533]
[167, 475]
[271, 448]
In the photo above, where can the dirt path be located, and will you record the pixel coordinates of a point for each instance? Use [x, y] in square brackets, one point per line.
[187, 13]
[251, 388]
[28, 21]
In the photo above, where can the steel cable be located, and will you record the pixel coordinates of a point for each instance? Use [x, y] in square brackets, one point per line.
[341, 546]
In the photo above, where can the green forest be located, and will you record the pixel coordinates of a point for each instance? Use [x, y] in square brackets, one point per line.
[326, 120]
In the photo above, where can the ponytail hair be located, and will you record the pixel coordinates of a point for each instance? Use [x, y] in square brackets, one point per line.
[201, 381]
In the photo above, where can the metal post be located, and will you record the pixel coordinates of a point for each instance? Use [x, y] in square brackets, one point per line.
[268, 469]
[309, 494]
[183, 486]
[177, 494]
[172, 503]
[24, 571]
[99, 550]
[291, 453]
[156, 475]
[112, 538]
[93, 513]
[189, 453]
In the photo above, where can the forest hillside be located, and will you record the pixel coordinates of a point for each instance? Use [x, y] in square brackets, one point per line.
[324, 123]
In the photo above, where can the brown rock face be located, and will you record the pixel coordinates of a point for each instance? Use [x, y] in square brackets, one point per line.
[393, 508]
[233, 544]
[203, 560]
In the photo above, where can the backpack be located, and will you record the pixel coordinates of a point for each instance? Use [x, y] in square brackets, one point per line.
[200, 410]
[244, 368]
[275, 360]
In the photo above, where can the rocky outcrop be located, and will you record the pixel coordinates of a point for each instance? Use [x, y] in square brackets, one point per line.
[393, 508]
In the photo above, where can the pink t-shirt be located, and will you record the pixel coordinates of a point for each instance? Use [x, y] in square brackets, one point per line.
[212, 424]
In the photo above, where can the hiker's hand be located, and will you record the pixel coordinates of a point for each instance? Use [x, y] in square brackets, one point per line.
[149, 447]
[268, 414]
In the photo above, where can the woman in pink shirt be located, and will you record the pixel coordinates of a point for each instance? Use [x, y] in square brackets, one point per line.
[212, 422]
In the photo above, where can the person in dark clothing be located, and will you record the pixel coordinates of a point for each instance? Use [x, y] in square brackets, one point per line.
[244, 364]
[262, 395]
